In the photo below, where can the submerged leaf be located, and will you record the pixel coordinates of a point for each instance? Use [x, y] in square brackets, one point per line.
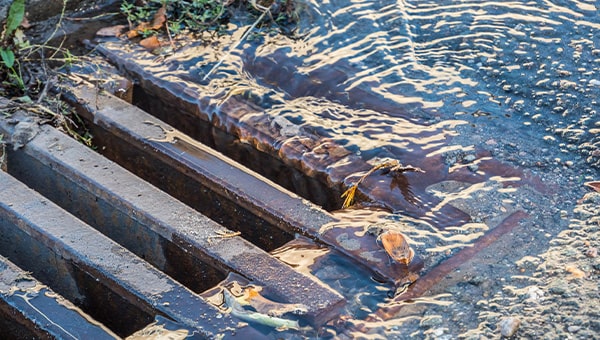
[247, 315]
[396, 246]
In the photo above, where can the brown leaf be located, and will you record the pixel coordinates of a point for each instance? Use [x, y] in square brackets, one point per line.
[159, 18]
[595, 185]
[396, 246]
[157, 22]
[25, 23]
[150, 43]
[137, 31]
[112, 31]
[575, 272]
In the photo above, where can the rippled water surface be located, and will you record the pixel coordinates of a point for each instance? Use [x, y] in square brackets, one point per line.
[496, 100]
[516, 82]
[451, 87]
[401, 66]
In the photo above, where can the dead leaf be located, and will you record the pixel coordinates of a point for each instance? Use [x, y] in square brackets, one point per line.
[594, 185]
[159, 18]
[396, 246]
[157, 22]
[112, 31]
[25, 23]
[150, 43]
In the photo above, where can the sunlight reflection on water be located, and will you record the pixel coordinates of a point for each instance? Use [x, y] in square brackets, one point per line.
[465, 90]
[526, 66]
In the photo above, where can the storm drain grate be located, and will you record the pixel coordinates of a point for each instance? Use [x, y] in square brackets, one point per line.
[179, 252]
[215, 185]
[110, 283]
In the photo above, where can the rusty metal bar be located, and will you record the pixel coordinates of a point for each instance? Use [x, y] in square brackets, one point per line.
[438, 273]
[106, 280]
[308, 164]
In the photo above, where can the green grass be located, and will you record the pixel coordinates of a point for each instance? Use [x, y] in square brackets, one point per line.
[207, 15]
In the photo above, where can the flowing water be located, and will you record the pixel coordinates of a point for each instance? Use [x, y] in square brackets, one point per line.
[496, 100]
[515, 81]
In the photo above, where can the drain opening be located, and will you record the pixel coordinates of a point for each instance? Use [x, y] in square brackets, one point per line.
[221, 207]
[168, 171]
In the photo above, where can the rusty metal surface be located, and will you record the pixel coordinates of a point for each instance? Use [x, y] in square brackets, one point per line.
[112, 284]
[428, 281]
[160, 229]
[178, 163]
[177, 152]
[30, 309]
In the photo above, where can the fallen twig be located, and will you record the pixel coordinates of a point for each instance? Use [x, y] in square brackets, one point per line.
[392, 165]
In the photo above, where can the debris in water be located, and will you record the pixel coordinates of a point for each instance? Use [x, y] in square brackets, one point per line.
[396, 246]
[508, 326]
[394, 166]
[162, 328]
[252, 297]
[576, 273]
[246, 315]
[595, 185]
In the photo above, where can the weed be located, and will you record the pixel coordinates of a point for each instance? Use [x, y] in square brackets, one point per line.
[207, 15]
[9, 44]
[196, 15]
[27, 83]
